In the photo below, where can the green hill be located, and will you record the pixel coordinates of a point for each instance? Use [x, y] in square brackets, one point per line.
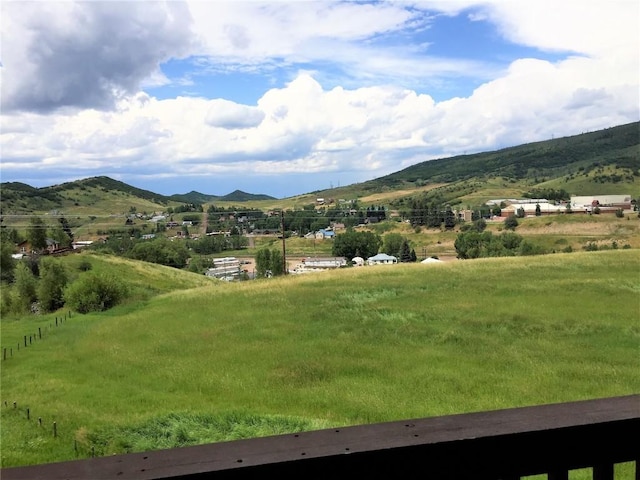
[596, 162]
[605, 161]
[194, 364]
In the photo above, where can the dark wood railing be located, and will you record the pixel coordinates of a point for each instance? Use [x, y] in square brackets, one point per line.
[503, 444]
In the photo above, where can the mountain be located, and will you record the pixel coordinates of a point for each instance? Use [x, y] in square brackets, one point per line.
[604, 161]
[235, 196]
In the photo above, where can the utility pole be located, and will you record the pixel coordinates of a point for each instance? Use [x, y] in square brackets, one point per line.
[284, 253]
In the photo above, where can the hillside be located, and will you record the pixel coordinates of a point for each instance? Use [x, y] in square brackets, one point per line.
[602, 162]
[98, 194]
[365, 345]
[235, 196]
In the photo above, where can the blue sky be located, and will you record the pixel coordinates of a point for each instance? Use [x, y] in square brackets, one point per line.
[442, 36]
[284, 98]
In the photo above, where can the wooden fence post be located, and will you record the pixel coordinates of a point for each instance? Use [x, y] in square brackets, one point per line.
[39, 332]
[55, 429]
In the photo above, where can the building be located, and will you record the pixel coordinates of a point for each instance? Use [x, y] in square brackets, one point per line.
[227, 268]
[324, 262]
[382, 259]
[529, 209]
[606, 203]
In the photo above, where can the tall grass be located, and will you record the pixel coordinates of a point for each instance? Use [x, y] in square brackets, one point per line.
[347, 347]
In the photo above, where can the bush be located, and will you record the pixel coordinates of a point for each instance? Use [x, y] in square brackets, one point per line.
[511, 222]
[50, 288]
[85, 265]
[94, 293]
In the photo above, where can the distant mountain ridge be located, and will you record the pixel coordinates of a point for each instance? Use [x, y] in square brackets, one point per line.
[617, 146]
[19, 197]
[235, 196]
[604, 160]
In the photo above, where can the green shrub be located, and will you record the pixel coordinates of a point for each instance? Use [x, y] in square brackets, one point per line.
[50, 288]
[85, 265]
[94, 293]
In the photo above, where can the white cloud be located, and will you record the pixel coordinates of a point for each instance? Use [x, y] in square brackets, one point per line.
[85, 54]
[72, 102]
[225, 114]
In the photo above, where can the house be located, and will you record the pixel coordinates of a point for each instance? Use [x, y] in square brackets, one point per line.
[323, 234]
[382, 259]
[52, 245]
[464, 215]
[24, 247]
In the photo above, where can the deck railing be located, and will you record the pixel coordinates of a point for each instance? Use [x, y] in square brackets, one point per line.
[503, 444]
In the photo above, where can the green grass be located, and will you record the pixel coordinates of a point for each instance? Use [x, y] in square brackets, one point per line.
[353, 346]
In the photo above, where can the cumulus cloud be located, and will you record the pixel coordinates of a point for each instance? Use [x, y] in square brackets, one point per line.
[225, 114]
[76, 108]
[85, 54]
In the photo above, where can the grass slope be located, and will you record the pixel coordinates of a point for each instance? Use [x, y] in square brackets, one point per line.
[339, 348]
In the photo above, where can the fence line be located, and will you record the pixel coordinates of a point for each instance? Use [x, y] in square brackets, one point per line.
[29, 339]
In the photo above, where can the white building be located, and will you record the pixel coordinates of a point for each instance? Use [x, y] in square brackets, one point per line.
[227, 268]
[382, 259]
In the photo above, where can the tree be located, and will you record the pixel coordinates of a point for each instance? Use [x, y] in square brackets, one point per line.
[480, 225]
[520, 212]
[263, 262]
[67, 230]
[449, 218]
[7, 263]
[392, 244]
[269, 263]
[50, 290]
[356, 244]
[37, 234]
[276, 263]
[25, 284]
[162, 251]
[405, 252]
[538, 211]
[511, 222]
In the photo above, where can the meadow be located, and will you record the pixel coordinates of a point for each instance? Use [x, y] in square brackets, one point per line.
[191, 361]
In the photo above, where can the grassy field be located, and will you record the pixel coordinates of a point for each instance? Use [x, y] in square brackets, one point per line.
[211, 361]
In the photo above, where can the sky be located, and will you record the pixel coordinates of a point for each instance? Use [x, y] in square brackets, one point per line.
[289, 97]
